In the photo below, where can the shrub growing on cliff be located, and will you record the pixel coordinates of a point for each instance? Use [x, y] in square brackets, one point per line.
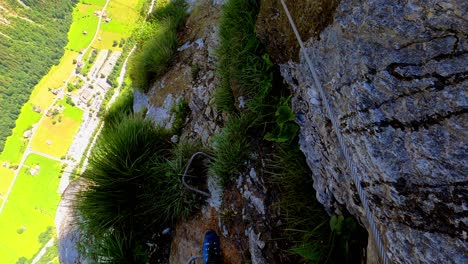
[133, 189]
[231, 147]
[159, 45]
[122, 107]
[119, 168]
[244, 67]
[316, 237]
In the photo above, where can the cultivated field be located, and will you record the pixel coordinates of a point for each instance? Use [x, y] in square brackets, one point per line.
[30, 209]
[6, 175]
[55, 134]
[16, 144]
[84, 19]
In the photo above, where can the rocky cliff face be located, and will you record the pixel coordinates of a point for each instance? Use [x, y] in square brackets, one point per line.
[395, 73]
[68, 233]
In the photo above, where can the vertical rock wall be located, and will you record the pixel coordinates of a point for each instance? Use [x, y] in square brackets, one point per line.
[395, 73]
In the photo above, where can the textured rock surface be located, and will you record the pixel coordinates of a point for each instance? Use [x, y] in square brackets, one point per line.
[192, 77]
[395, 74]
[68, 233]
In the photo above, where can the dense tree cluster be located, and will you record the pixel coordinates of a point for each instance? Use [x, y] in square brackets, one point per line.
[27, 50]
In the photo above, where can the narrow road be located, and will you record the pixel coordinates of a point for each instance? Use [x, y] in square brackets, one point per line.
[97, 30]
[43, 251]
[45, 155]
[62, 89]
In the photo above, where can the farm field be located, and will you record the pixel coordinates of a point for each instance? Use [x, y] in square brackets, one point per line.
[84, 19]
[16, 144]
[55, 134]
[41, 97]
[29, 212]
[30, 209]
[55, 78]
[123, 16]
[6, 175]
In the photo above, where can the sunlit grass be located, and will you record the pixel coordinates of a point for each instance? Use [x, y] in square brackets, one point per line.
[158, 44]
[59, 131]
[30, 208]
[6, 176]
[16, 144]
[55, 78]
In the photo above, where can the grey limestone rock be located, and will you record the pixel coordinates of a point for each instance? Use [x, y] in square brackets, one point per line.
[395, 74]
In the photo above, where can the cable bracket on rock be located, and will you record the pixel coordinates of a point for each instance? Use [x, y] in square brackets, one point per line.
[186, 171]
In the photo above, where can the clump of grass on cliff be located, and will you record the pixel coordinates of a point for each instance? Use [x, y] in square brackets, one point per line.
[123, 106]
[180, 110]
[306, 220]
[133, 189]
[316, 237]
[157, 43]
[232, 147]
[173, 201]
[245, 71]
[119, 168]
[244, 66]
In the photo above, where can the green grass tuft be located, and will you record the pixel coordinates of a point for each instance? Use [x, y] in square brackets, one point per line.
[306, 220]
[154, 56]
[119, 168]
[223, 97]
[122, 107]
[173, 201]
[158, 44]
[174, 10]
[118, 247]
[243, 65]
[231, 147]
[134, 188]
[181, 110]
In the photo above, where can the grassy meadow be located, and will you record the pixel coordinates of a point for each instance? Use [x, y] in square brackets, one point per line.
[59, 131]
[6, 175]
[123, 17]
[84, 19]
[16, 144]
[55, 78]
[30, 210]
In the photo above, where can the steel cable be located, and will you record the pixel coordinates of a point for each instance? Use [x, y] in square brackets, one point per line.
[344, 148]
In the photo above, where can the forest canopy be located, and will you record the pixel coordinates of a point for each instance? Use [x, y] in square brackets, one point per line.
[32, 40]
